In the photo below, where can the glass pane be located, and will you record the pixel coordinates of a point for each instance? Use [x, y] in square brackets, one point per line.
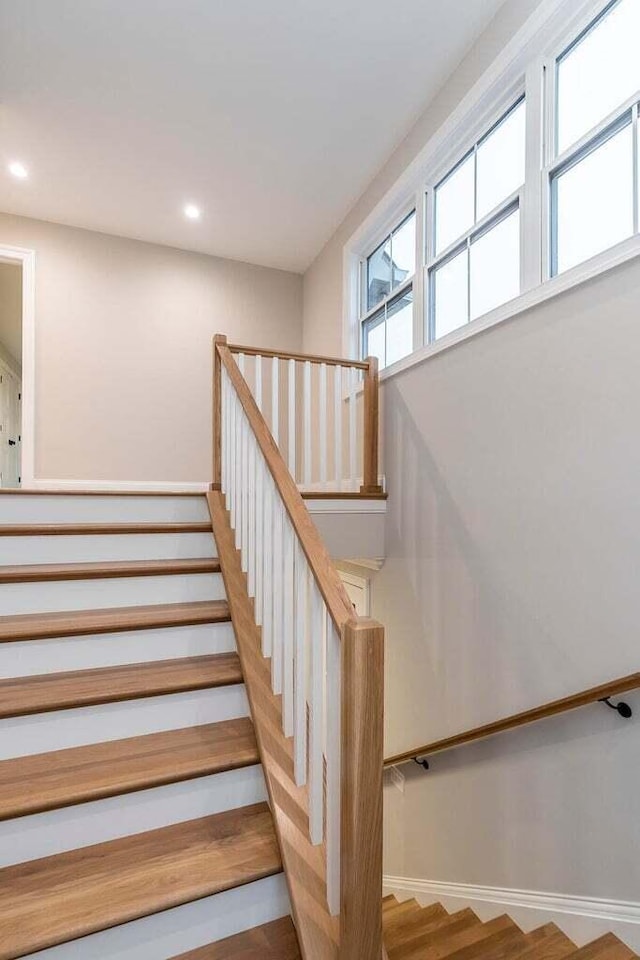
[403, 251]
[450, 294]
[400, 327]
[455, 204]
[599, 73]
[501, 159]
[374, 346]
[594, 202]
[495, 266]
[379, 274]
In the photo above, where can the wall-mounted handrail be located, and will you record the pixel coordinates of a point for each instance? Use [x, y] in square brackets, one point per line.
[553, 708]
[326, 432]
[326, 663]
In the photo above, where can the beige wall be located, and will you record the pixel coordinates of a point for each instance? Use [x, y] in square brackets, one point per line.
[11, 315]
[123, 349]
[513, 546]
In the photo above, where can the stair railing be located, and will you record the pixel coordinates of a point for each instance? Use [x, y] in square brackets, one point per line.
[326, 663]
[327, 434]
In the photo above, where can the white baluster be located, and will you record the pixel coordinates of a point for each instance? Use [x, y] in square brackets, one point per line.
[306, 427]
[292, 418]
[353, 382]
[259, 383]
[244, 538]
[267, 603]
[275, 399]
[316, 764]
[301, 575]
[333, 703]
[323, 424]
[251, 516]
[241, 359]
[277, 585]
[232, 461]
[259, 568]
[239, 483]
[288, 627]
[337, 425]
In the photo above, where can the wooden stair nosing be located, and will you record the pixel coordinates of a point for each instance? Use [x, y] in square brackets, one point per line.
[23, 696]
[47, 902]
[272, 941]
[100, 529]
[74, 623]
[109, 570]
[25, 492]
[63, 778]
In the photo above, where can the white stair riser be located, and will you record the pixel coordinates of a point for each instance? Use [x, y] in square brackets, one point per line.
[166, 935]
[41, 733]
[45, 834]
[56, 595]
[101, 547]
[22, 508]
[33, 657]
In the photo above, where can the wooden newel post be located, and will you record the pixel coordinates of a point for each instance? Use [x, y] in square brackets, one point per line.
[217, 413]
[370, 434]
[362, 761]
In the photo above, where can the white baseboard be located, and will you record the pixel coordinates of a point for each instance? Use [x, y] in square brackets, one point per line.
[581, 918]
[117, 486]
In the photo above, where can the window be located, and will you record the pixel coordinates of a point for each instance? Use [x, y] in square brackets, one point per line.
[388, 295]
[476, 263]
[594, 180]
[533, 189]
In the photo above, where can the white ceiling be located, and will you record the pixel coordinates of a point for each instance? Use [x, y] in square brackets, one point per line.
[272, 115]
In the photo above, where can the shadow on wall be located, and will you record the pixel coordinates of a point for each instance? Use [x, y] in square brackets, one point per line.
[464, 648]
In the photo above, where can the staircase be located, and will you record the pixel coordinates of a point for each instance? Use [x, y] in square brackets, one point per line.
[412, 932]
[132, 801]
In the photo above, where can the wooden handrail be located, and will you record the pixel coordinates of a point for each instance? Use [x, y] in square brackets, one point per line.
[301, 357]
[330, 585]
[551, 709]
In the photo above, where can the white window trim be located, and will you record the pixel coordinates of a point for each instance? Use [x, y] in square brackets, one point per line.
[520, 67]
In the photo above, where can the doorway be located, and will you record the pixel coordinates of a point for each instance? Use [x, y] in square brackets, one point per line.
[11, 358]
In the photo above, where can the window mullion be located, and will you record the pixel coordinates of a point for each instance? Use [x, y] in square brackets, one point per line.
[533, 196]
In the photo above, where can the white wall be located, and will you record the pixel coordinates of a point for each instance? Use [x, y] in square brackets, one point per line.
[513, 546]
[123, 349]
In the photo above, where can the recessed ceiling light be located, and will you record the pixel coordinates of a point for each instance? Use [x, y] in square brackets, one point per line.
[18, 170]
[192, 212]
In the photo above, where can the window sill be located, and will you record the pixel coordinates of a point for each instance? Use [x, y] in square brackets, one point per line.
[598, 265]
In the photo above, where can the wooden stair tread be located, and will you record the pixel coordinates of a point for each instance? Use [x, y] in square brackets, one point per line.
[40, 572]
[547, 943]
[61, 778]
[73, 623]
[608, 947]
[431, 928]
[60, 898]
[78, 688]
[272, 941]
[95, 529]
[461, 934]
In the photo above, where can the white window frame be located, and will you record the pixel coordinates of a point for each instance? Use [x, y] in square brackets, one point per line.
[433, 260]
[526, 66]
[407, 284]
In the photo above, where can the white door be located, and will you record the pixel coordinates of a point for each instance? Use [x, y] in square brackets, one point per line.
[10, 428]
